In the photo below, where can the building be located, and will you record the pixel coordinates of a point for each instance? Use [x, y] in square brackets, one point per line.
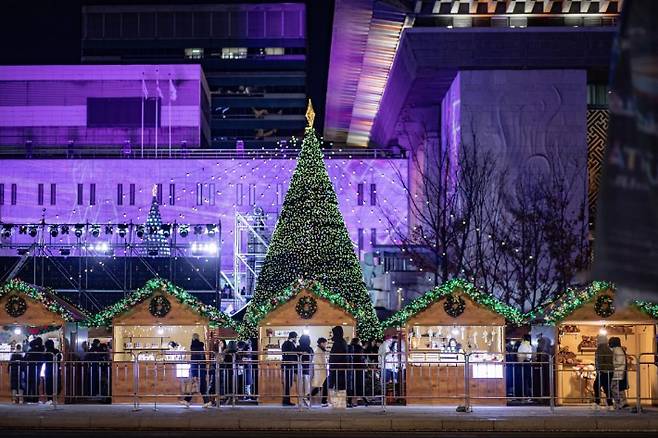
[253, 56]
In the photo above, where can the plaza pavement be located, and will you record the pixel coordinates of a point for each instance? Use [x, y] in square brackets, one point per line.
[243, 418]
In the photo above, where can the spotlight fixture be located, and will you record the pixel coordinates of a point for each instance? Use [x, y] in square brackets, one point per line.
[33, 231]
[166, 230]
[79, 228]
[140, 231]
[153, 252]
[22, 229]
[53, 230]
[109, 229]
[123, 230]
[184, 230]
[198, 229]
[6, 230]
[95, 230]
[211, 229]
[64, 229]
[65, 251]
[22, 251]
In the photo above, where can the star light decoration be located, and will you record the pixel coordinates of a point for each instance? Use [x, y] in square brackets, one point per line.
[451, 287]
[311, 242]
[17, 286]
[215, 317]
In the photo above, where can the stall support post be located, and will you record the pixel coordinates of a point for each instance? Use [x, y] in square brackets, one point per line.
[467, 386]
[155, 395]
[638, 391]
[551, 382]
[300, 383]
[135, 383]
[217, 383]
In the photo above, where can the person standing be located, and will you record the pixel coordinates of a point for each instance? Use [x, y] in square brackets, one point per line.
[288, 365]
[338, 360]
[305, 356]
[51, 359]
[603, 361]
[542, 359]
[197, 380]
[228, 369]
[619, 373]
[525, 357]
[34, 359]
[17, 374]
[356, 381]
[320, 371]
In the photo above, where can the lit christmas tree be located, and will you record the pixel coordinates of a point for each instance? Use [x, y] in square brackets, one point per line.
[311, 242]
[154, 239]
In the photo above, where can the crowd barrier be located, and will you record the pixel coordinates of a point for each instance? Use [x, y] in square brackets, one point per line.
[464, 380]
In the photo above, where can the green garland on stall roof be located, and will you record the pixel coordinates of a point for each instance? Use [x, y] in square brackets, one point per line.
[18, 286]
[650, 309]
[104, 317]
[573, 299]
[448, 288]
[251, 321]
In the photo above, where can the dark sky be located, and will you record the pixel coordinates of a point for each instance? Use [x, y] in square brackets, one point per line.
[48, 32]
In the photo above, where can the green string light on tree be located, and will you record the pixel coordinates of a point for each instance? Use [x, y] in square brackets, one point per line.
[311, 242]
[449, 289]
[156, 242]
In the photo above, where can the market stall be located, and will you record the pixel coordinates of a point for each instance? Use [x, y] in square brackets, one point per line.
[579, 317]
[308, 309]
[28, 312]
[440, 329]
[154, 326]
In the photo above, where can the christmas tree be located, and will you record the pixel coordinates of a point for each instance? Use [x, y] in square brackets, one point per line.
[154, 239]
[311, 242]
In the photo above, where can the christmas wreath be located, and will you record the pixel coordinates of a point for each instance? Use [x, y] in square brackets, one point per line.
[159, 306]
[15, 306]
[604, 306]
[306, 307]
[454, 305]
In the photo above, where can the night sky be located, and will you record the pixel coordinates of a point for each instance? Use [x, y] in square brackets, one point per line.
[48, 32]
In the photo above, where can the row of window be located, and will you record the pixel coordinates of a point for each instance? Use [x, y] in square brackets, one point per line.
[361, 238]
[205, 194]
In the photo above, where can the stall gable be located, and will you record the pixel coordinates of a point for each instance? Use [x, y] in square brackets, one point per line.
[327, 313]
[474, 314]
[36, 314]
[180, 314]
[624, 315]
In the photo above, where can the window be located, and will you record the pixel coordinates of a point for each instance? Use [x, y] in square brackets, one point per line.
[2, 194]
[194, 53]
[40, 194]
[158, 194]
[238, 194]
[14, 194]
[234, 52]
[92, 194]
[360, 242]
[373, 194]
[119, 194]
[132, 194]
[252, 194]
[211, 193]
[279, 194]
[373, 236]
[275, 51]
[199, 193]
[359, 194]
[123, 112]
[80, 190]
[172, 194]
[53, 194]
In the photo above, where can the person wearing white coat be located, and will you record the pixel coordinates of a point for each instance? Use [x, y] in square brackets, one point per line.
[619, 364]
[319, 382]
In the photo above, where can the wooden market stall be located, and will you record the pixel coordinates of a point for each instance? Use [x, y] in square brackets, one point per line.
[27, 312]
[154, 326]
[306, 310]
[439, 329]
[582, 315]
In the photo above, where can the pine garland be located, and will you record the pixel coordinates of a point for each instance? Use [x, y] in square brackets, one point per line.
[650, 309]
[449, 288]
[574, 299]
[36, 294]
[104, 317]
[311, 242]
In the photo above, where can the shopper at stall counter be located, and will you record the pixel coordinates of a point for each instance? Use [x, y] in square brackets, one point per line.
[338, 361]
[17, 374]
[525, 357]
[320, 371]
[619, 380]
[52, 375]
[603, 361]
[35, 359]
[356, 377]
[198, 370]
[288, 365]
[305, 357]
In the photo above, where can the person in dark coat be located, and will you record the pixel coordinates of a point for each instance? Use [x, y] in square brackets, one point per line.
[603, 359]
[52, 371]
[338, 360]
[228, 369]
[93, 359]
[17, 374]
[355, 388]
[305, 357]
[35, 359]
[288, 366]
[198, 368]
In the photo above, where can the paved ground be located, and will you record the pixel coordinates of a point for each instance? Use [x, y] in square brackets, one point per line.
[170, 420]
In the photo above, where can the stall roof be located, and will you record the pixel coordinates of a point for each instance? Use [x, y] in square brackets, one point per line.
[54, 303]
[214, 316]
[581, 304]
[430, 297]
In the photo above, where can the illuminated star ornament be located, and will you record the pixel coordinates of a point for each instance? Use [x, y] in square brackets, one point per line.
[310, 113]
